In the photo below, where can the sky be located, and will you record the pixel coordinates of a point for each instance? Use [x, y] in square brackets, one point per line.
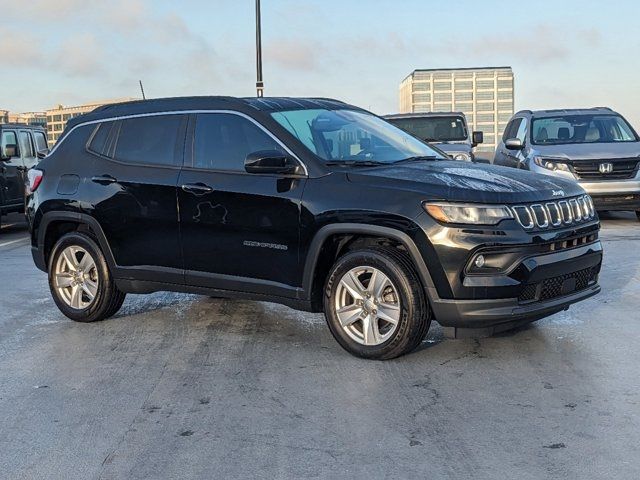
[564, 53]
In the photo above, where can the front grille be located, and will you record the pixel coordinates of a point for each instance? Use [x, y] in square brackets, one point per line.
[555, 214]
[559, 286]
[618, 170]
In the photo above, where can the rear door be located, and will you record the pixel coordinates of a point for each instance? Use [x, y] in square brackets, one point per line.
[239, 230]
[137, 163]
[11, 174]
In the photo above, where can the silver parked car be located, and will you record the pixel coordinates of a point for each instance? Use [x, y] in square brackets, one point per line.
[596, 147]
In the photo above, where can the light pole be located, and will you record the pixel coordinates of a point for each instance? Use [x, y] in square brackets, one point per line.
[259, 82]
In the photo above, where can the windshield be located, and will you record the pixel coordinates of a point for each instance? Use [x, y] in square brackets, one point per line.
[348, 135]
[434, 129]
[571, 129]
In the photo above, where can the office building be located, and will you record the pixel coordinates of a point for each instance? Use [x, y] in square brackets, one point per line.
[484, 95]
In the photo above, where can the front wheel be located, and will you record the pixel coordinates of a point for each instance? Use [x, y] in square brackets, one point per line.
[80, 281]
[375, 305]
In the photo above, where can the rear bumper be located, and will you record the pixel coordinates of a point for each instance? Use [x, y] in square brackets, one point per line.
[547, 284]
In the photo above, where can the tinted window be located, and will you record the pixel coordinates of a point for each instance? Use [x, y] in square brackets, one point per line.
[103, 139]
[8, 138]
[149, 140]
[223, 141]
[41, 141]
[26, 147]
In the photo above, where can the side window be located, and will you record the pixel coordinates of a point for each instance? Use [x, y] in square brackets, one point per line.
[103, 139]
[522, 130]
[26, 147]
[149, 140]
[223, 141]
[41, 141]
[512, 129]
[9, 138]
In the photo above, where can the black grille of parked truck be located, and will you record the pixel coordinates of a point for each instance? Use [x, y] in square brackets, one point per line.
[311, 203]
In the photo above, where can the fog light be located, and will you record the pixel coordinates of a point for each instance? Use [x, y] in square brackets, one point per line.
[479, 262]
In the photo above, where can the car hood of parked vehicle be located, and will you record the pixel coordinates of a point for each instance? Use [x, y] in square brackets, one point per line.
[467, 182]
[453, 147]
[590, 151]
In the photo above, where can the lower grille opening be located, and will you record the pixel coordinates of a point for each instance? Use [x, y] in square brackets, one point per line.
[558, 286]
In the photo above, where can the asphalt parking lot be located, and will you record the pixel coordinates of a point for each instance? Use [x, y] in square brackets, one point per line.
[184, 386]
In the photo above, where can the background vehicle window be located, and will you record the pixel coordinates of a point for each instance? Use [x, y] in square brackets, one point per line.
[148, 140]
[521, 133]
[26, 147]
[434, 129]
[8, 138]
[223, 141]
[582, 128]
[41, 141]
[512, 129]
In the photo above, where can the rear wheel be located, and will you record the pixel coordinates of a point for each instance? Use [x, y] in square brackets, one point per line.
[79, 279]
[375, 305]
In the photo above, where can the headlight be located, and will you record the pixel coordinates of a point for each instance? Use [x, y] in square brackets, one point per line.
[461, 156]
[551, 164]
[468, 214]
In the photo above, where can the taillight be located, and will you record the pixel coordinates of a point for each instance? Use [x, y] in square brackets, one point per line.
[35, 178]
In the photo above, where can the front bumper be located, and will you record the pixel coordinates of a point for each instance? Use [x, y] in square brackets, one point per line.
[543, 279]
[614, 195]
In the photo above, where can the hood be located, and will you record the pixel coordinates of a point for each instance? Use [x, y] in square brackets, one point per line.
[590, 151]
[467, 182]
[450, 147]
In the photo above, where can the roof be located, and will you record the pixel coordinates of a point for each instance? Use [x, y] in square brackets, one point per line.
[396, 116]
[21, 125]
[246, 105]
[566, 111]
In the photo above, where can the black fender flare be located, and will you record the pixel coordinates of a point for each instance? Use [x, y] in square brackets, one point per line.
[365, 229]
[75, 217]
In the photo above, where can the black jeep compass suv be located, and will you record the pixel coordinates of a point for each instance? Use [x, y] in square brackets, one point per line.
[311, 203]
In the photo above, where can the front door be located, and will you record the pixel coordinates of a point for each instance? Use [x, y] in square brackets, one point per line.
[11, 172]
[239, 230]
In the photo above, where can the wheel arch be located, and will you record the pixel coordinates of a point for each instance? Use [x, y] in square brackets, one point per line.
[313, 283]
[55, 224]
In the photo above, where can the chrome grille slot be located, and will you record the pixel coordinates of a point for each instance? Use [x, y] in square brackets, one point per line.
[540, 216]
[555, 217]
[555, 214]
[521, 213]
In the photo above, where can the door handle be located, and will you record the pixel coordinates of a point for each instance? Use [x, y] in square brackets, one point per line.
[197, 188]
[104, 179]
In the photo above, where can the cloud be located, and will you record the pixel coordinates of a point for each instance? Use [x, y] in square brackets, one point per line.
[80, 55]
[291, 54]
[21, 54]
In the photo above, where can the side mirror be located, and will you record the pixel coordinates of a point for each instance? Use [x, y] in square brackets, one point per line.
[271, 162]
[514, 144]
[477, 138]
[9, 151]
[42, 153]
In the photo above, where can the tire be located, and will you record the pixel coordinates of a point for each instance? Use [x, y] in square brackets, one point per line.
[403, 297]
[638, 214]
[107, 299]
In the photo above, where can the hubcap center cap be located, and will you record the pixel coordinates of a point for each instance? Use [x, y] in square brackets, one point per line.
[369, 305]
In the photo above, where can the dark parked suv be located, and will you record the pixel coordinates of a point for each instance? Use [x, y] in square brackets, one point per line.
[311, 203]
[19, 149]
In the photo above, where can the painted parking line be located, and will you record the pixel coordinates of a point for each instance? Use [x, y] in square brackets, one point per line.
[13, 241]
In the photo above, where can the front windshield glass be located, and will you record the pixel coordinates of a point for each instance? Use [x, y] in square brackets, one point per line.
[434, 129]
[572, 129]
[348, 135]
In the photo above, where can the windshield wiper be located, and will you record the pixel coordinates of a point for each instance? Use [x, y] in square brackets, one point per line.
[355, 163]
[417, 158]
